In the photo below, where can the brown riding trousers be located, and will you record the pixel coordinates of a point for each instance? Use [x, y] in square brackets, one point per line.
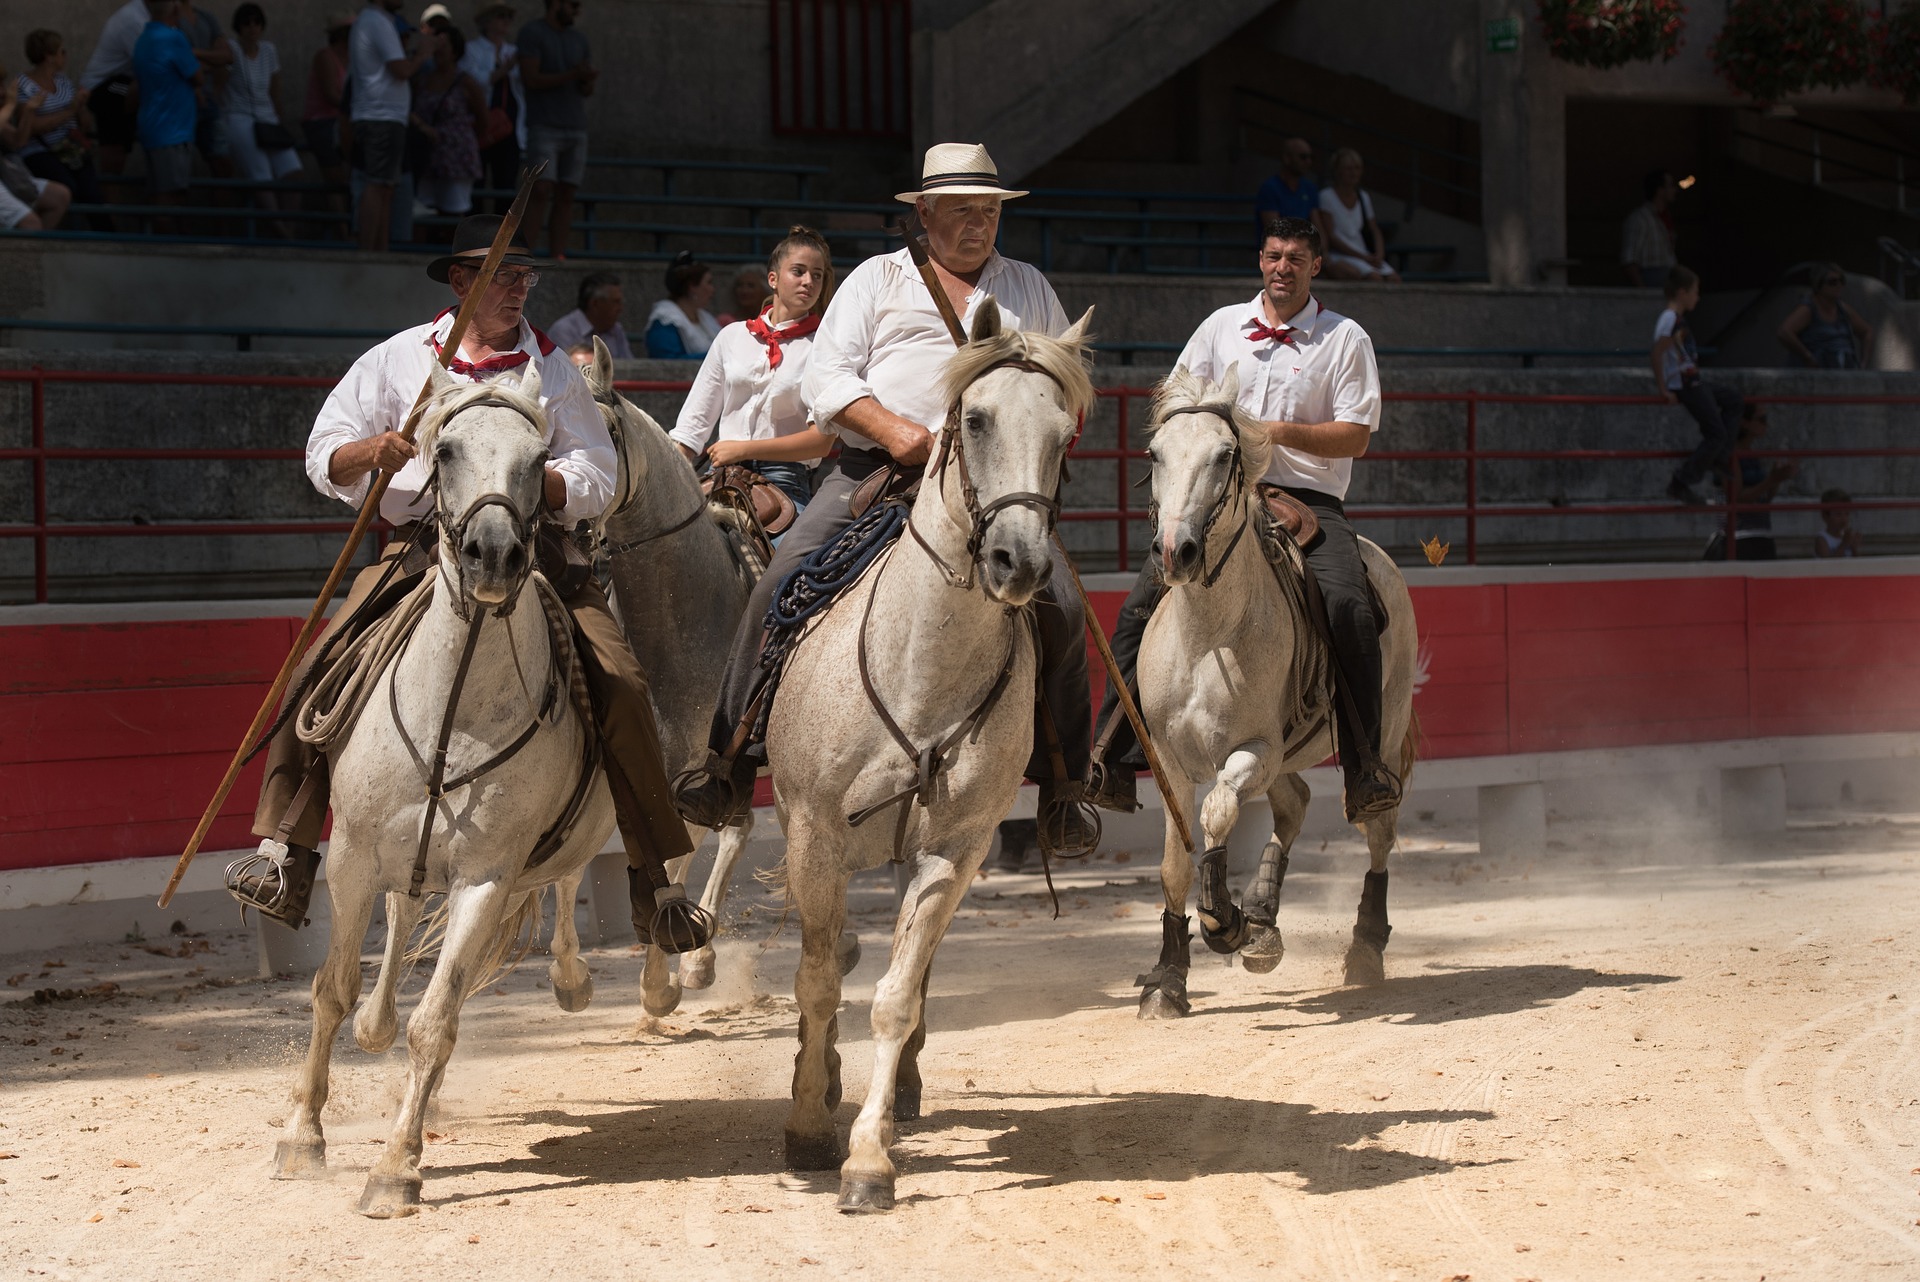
[622, 703]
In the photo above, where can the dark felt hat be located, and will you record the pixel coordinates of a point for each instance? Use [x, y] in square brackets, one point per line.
[471, 241]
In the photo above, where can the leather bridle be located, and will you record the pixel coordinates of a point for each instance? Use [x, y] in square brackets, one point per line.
[456, 534]
[1234, 488]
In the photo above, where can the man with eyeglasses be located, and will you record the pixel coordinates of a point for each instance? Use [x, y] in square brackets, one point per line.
[357, 432]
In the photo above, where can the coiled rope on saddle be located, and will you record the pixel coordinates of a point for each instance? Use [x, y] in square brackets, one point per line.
[814, 584]
[326, 712]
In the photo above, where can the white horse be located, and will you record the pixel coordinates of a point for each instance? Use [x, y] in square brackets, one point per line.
[904, 720]
[681, 583]
[508, 751]
[1234, 687]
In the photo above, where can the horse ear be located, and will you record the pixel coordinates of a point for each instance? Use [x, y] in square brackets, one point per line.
[987, 324]
[530, 382]
[1230, 385]
[1080, 332]
[600, 373]
[442, 382]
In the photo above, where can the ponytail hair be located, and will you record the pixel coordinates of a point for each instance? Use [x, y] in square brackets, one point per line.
[801, 237]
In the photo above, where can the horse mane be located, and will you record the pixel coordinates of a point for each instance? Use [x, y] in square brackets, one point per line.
[451, 402]
[1065, 362]
[1184, 392]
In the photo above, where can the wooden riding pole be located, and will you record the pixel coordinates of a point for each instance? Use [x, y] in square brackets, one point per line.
[1176, 807]
[369, 508]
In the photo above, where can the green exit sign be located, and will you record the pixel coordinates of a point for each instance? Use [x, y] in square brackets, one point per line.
[1503, 35]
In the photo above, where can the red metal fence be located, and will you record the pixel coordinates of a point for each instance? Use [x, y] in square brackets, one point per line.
[841, 68]
[1129, 504]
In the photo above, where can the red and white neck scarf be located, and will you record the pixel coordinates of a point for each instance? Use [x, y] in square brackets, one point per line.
[764, 330]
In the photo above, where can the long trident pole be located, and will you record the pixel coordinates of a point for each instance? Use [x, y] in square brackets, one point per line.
[917, 247]
[369, 508]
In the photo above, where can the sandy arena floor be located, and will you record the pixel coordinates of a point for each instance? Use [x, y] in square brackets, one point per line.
[1607, 1063]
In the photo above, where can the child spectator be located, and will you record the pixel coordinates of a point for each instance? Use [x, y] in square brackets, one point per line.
[1823, 331]
[680, 327]
[1754, 486]
[1839, 538]
[56, 148]
[1676, 370]
[601, 300]
[169, 76]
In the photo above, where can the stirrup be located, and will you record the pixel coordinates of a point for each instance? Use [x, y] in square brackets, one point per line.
[709, 796]
[276, 879]
[1112, 787]
[1069, 825]
[1382, 783]
[678, 925]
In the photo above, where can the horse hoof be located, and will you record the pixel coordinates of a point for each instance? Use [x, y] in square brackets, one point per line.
[1156, 1003]
[1263, 950]
[293, 1160]
[574, 1000]
[389, 1197]
[1366, 964]
[696, 969]
[906, 1103]
[865, 1194]
[847, 952]
[814, 1152]
[662, 1003]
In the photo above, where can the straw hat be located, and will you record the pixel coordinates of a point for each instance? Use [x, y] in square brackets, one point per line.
[958, 169]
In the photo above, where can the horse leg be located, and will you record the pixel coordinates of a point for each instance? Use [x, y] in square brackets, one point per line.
[906, 1083]
[1264, 947]
[374, 1026]
[696, 968]
[1163, 990]
[474, 915]
[867, 1176]
[1366, 955]
[811, 1142]
[572, 981]
[1222, 925]
[336, 987]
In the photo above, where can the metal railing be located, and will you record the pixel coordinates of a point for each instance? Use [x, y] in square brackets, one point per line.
[1129, 505]
[1828, 167]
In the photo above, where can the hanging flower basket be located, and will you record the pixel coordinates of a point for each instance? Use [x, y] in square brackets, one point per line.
[1612, 33]
[1772, 48]
[1896, 54]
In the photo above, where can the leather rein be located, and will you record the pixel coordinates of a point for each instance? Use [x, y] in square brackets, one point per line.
[1235, 489]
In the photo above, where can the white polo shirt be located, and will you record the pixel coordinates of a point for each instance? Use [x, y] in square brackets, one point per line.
[378, 393]
[113, 56]
[883, 337]
[739, 396]
[1326, 375]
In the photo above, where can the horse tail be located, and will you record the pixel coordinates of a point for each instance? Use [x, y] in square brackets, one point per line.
[512, 941]
[1410, 745]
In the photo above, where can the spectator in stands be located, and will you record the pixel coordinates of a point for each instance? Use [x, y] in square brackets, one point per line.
[1839, 538]
[56, 147]
[680, 327]
[556, 66]
[1355, 248]
[326, 94]
[1291, 193]
[215, 55]
[379, 69]
[1823, 331]
[169, 77]
[448, 108]
[1676, 370]
[601, 300]
[27, 201]
[108, 82]
[436, 18]
[1647, 239]
[745, 406]
[1751, 484]
[262, 147]
[581, 354]
[749, 295]
[493, 60]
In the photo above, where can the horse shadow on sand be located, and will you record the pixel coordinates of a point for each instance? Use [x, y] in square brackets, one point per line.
[1441, 995]
[1037, 1140]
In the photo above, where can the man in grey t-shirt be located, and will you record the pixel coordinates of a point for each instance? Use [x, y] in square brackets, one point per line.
[557, 69]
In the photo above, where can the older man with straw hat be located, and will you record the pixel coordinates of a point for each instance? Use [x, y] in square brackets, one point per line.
[874, 378]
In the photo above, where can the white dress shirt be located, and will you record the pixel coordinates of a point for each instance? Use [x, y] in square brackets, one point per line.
[883, 337]
[113, 56]
[574, 329]
[1326, 375]
[378, 393]
[739, 397]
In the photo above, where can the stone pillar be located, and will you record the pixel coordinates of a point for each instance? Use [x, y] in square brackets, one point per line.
[1513, 820]
[1523, 128]
[285, 951]
[1753, 799]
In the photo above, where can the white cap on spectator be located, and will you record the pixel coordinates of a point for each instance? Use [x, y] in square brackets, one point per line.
[436, 11]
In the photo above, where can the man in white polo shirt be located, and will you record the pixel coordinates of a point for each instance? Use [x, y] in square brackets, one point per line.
[381, 72]
[1309, 374]
[874, 376]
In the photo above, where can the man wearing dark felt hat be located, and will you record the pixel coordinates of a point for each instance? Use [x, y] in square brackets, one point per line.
[357, 432]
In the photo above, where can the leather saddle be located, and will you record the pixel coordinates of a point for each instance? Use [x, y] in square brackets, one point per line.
[884, 485]
[1293, 516]
[742, 487]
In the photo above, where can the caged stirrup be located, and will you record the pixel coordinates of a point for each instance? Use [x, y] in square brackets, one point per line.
[277, 879]
[712, 795]
[1069, 826]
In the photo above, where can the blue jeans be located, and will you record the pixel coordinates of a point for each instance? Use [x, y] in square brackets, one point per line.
[796, 479]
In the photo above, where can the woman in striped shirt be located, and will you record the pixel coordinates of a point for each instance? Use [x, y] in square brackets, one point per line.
[56, 148]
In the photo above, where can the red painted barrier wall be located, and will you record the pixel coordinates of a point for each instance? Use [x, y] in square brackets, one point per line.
[112, 736]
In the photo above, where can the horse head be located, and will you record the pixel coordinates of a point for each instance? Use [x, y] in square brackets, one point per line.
[486, 448]
[1017, 402]
[1207, 456]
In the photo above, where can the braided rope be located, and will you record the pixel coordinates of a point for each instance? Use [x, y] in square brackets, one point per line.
[815, 582]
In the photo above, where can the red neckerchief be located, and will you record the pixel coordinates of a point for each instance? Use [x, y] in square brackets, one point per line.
[497, 364]
[773, 338]
[1261, 332]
